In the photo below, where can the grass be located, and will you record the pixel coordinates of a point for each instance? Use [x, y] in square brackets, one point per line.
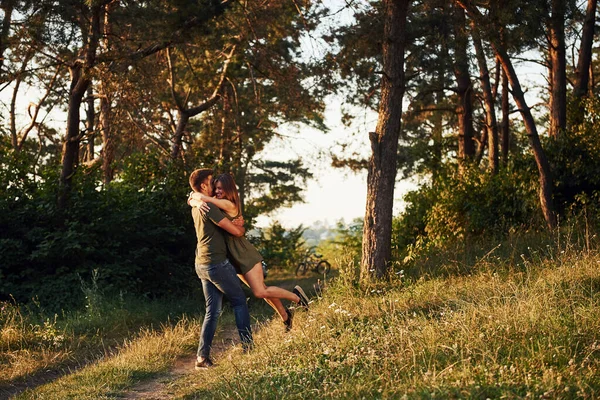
[145, 339]
[32, 342]
[513, 324]
[530, 330]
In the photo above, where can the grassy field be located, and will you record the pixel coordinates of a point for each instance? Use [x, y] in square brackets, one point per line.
[524, 326]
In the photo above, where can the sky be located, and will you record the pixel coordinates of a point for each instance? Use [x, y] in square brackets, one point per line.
[333, 194]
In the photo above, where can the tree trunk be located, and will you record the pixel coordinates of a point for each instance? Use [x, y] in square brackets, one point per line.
[7, 7]
[381, 177]
[90, 116]
[108, 147]
[542, 164]
[505, 125]
[558, 69]
[464, 109]
[545, 177]
[488, 97]
[70, 150]
[182, 121]
[80, 81]
[584, 62]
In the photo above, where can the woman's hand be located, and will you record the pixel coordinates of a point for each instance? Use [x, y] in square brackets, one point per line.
[239, 221]
[199, 204]
[203, 207]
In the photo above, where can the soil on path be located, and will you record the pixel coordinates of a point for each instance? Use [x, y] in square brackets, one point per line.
[159, 388]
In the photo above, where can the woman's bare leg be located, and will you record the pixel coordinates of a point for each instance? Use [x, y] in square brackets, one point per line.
[256, 281]
[274, 302]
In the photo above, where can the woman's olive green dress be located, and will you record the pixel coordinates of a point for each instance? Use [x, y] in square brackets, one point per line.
[242, 254]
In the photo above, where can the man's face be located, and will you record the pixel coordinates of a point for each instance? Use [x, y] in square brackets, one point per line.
[219, 190]
[207, 186]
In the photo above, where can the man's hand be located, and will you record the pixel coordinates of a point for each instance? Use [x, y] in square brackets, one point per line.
[239, 221]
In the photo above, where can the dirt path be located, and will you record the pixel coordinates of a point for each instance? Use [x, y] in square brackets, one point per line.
[159, 388]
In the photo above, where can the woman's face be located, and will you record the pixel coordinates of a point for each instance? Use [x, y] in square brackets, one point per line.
[219, 190]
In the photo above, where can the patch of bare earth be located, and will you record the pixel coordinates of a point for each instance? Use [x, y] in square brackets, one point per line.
[159, 388]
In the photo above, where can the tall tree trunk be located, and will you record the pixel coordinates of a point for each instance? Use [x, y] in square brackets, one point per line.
[225, 139]
[90, 116]
[488, 97]
[7, 6]
[558, 69]
[381, 177]
[80, 81]
[505, 124]
[108, 146]
[464, 109]
[182, 121]
[584, 62]
[70, 150]
[545, 177]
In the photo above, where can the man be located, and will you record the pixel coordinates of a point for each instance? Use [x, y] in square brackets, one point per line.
[215, 271]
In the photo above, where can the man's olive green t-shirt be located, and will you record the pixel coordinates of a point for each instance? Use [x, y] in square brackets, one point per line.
[211, 247]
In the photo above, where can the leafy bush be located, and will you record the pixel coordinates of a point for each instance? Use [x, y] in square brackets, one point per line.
[281, 248]
[139, 237]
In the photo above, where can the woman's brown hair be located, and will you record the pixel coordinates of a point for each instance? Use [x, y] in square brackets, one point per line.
[230, 191]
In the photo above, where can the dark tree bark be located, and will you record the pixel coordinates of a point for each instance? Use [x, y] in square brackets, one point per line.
[505, 124]
[80, 72]
[381, 177]
[90, 117]
[584, 62]
[464, 91]
[8, 7]
[545, 177]
[558, 69]
[70, 150]
[108, 146]
[488, 98]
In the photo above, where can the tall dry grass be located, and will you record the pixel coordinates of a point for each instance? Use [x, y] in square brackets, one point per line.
[520, 331]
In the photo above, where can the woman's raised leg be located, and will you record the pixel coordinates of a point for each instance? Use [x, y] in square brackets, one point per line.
[256, 281]
[274, 302]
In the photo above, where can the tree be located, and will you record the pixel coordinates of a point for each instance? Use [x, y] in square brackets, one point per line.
[584, 62]
[558, 68]
[87, 20]
[488, 98]
[464, 89]
[381, 178]
[545, 177]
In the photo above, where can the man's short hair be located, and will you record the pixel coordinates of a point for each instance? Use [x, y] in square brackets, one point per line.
[198, 177]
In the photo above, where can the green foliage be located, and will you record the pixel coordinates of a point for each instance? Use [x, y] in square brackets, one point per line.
[346, 244]
[280, 247]
[274, 185]
[575, 158]
[140, 239]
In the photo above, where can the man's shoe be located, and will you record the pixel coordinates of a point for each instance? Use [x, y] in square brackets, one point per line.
[288, 322]
[205, 363]
[303, 297]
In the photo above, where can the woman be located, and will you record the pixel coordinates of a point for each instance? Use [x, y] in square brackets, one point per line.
[244, 256]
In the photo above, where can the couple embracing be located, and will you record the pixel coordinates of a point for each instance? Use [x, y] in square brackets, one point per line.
[224, 257]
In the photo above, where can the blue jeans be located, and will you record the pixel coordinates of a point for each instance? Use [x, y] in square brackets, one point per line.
[218, 280]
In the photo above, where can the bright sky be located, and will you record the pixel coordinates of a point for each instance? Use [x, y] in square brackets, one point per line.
[333, 194]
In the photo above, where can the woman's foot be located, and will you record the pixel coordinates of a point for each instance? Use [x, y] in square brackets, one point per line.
[302, 296]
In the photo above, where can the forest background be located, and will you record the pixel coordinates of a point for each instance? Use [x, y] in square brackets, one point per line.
[152, 90]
